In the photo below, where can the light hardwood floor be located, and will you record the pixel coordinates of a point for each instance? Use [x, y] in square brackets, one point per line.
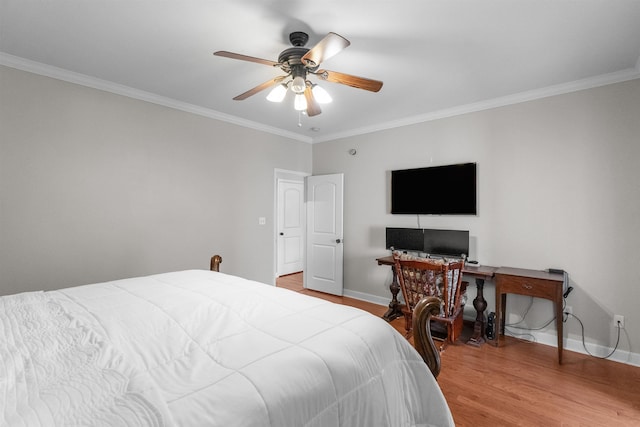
[521, 383]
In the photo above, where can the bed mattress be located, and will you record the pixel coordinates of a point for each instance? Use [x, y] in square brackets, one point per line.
[202, 348]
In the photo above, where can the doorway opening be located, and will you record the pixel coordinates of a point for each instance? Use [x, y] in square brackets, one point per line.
[290, 223]
[293, 282]
[308, 229]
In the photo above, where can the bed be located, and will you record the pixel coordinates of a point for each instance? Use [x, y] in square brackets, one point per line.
[204, 348]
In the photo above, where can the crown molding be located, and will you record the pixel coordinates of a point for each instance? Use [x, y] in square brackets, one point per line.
[107, 86]
[560, 89]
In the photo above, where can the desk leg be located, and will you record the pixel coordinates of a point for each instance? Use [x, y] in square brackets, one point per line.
[558, 307]
[501, 304]
[480, 304]
[394, 310]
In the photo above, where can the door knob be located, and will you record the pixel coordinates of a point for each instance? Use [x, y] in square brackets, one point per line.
[282, 234]
[338, 241]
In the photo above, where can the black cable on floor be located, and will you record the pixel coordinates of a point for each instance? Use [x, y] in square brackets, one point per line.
[584, 344]
[565, 317]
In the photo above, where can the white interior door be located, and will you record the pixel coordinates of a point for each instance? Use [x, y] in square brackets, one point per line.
[325, 250]
[291, 219]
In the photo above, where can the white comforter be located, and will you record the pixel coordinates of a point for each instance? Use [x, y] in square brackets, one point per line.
[200, 348]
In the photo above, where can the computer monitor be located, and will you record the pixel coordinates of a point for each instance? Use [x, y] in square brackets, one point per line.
[434, 242]
[405, 239]
[446, 242]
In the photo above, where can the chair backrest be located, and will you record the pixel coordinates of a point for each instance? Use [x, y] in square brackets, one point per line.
[215, 263]
[420, 277]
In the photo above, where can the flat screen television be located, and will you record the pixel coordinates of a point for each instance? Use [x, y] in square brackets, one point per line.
[415, 191]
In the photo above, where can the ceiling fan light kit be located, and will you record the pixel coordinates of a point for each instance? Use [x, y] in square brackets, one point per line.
[300, 102]
[298, 63]
[298, 84]
[321, 95]
[278, 93]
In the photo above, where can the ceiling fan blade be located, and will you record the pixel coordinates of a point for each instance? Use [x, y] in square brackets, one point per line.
[330, 45]
[245, 58]
[259, 88]
[349, 80]
[313, 109]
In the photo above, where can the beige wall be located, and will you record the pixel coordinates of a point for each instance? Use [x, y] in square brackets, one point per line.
[96, 186]
[559, 186]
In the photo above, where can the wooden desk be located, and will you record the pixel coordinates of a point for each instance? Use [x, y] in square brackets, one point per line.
[479, 303]
[534, 283]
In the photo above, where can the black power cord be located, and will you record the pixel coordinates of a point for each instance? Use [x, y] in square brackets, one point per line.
[565, 317]
[584, 344]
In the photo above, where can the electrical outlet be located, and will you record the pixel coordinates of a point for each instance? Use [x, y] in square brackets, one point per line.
[618, 320]
[568, 309]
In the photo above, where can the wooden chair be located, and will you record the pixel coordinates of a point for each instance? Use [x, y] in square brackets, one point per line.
[420, 278]
[215, 263]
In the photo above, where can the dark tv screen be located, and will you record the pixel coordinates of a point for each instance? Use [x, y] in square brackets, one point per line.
[406, 239]
[446, 242]
[437, 190]
[431, 241]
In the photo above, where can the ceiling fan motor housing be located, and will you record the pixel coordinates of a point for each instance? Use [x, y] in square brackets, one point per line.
[298, 38]
[292, 56]
[291, 63]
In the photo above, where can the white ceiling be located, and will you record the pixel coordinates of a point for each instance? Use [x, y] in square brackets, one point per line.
[436, 58]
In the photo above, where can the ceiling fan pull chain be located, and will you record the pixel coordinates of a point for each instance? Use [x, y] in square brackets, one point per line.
[299, 119]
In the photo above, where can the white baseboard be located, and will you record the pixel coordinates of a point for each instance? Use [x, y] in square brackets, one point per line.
[573, 344]
[367, 297]
[545, 338]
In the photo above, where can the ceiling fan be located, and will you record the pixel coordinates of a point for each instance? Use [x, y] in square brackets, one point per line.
[298, 63]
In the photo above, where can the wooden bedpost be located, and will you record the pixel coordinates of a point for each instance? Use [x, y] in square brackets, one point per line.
[422, 339]
[215, 263]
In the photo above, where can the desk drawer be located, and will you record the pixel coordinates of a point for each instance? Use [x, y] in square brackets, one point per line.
[530, 286]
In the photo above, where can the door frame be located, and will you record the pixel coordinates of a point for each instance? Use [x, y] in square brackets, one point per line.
[293, 176]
